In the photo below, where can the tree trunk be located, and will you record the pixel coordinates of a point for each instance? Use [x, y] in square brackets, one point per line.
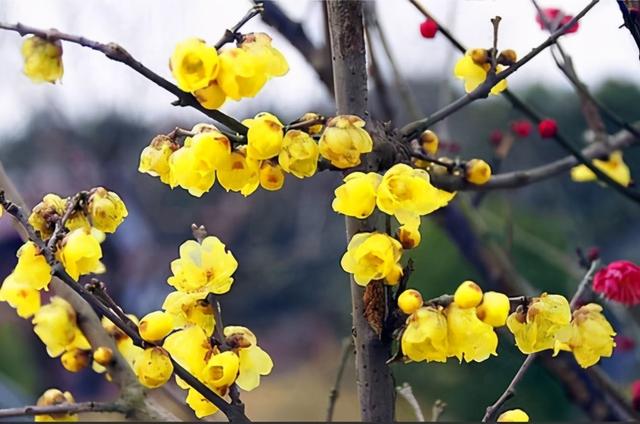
[374, 380]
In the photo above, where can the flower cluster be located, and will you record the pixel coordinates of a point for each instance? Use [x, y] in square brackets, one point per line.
[42, 59]
[463, 329]
[53, 397]
[613, 166]
[234, 73]
[475, 65]
[546, 322]
[620, 282]
[271, 151]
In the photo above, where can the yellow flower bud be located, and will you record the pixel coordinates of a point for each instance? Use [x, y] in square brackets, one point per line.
[103, 356]
[513, 416]
[507, 57]
[194, 64]
[221, 370]
[494, 308]
[189, 348]
[106, 209]
[299, 154]
[212, 96]
[188, 171]
[201, 406]
[357, 196]
[240, 173]
[407, 194]
[155, 326]
[591, 335]
[469, 338]
[53, 397]
[153, 367]
[55, 324]
[271, 176]
[425, 337]
[80, 254]
[154, 159]
[75, 360]
[344, 140]
[410, 301]
[240, 74]
[266, 58]
[42, 59]
[311, 116]
[467, 295]
[371, 256]
[479, 56]
[472, 68]
[408, 236]
[264, 137]
[429, 142]
[203, 268]
[478, 171]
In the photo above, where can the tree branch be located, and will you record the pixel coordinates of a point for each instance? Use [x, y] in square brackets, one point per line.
[407, 393]
[347, 350]
[66, 408]
[117, 53]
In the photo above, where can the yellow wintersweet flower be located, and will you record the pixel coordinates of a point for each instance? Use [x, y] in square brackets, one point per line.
[545, 323]
[478, 172]
[203, 268]
[153, 368]
[407, 193]
[513, 416]
[201, 406]
[254, 361]
[468, 295]
[188, 309]
[189, 348]
[155, 326]
[240, 173]
[80, 253]
[42, 59]
[371, 256]
[591, 335]
[154, 159]
[21, 296]
[344, 140]
[210, 146]
[614, 167]
[221, 370]
[45, 214]
[212, 96]
[239, 74]
[299, 154]
[106, 209]
[189, 172]
[469, 338]
[267, 58]
[265, 136]
[32, 268]
[55, 324]
[53, 397]
[194, 64]
[357, 196]
[474, 74]
[425, 337]
[271, 176]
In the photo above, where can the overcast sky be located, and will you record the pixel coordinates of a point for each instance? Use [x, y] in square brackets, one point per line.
[149, 29]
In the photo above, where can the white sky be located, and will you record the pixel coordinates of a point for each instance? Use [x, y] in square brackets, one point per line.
[149, 29]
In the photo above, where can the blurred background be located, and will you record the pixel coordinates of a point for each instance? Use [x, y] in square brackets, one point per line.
[90, 129]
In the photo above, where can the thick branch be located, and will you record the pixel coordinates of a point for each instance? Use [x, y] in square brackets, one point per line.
[119, 54]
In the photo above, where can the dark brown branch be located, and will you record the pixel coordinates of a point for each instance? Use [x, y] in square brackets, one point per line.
[511, 388]
[119, 54]
[66, 408]
[347, 350]
[230, 35]
[632, 22]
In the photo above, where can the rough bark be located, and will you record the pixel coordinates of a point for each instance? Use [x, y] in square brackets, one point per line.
[375, 383]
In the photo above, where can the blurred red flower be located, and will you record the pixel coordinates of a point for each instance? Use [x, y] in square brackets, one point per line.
[556, 18]
[619, 281]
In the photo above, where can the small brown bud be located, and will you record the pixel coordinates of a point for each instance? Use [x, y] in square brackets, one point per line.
[429, 141]
[507, 57]
[103, 355]
[480, 56]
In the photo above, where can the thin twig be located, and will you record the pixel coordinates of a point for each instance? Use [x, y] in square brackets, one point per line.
[72, 205]
[407, 393]
[66, 408]
[231, 34]
[347, 351]
[511, 388]
[117, 53]
[437, 410]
